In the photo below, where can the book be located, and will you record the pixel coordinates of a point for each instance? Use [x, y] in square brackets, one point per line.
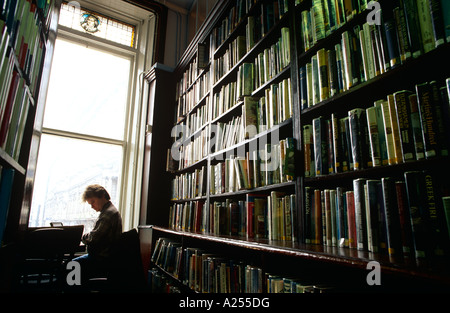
[428, 119]
[437, 20]
[372, 206]
[391, 214]
[401, 99]
[360, 213]
[405, 219]
[322, 62]
[320, 146]
[249, 112]
[359, 138]
[374, 135]
[446, 206]
[388, 133]
[308, 150]
[396, 135]
[418, 212]
[256, 215]
[410, 12]
[416, 127]
[426, 26]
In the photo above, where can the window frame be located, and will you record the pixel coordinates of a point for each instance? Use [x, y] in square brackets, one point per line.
[135, 112]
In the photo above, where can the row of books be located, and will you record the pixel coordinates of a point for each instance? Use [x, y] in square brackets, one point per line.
[187, 101]
[404, 127]
[258, 114]
[368, 51]
[188, 150]
[189, 185]
[270, 216]
[326, 16]
[206, 272]
[22, 22]
[273, 60]
[196, 120]
[14, 116]
[269, 62]
[6, 183]
[262, 112]
[272, 164]
[266, 14]
[408, 27]
[188, 78]
[14, 99]
[402, 218]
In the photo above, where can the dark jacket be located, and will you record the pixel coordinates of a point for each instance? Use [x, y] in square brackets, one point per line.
[107, 230]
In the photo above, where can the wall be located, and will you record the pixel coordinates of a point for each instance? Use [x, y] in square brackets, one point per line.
[182, 24]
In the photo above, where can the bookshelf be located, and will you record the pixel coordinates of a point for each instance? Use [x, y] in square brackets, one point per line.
[28, 32]
[327, 73]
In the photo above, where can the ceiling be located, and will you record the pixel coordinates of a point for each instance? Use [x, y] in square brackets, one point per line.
[182, 6]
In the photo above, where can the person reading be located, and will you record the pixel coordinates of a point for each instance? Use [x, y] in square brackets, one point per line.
[106, 231]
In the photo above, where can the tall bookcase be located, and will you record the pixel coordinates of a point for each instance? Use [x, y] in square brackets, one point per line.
[28, 35]
[317, 221]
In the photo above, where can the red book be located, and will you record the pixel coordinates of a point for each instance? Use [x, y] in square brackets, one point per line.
[318, 217]
[351, 219]
[8, 107]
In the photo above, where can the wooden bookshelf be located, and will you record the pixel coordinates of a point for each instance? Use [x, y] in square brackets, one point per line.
[340, 265]
[35, 88]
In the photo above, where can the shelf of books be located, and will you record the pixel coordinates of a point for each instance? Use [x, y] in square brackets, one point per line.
[24, 28]
[316, 131]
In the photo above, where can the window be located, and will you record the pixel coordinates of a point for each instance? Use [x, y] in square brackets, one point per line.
[93, 110]
[80, 19]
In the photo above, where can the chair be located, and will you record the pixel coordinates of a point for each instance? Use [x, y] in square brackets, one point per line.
[125, 271]
[43, 255]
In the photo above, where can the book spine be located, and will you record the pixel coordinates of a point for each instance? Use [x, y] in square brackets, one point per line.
[437, 20]
[405, 219]
[446, 206]
[415, 195]
[392, 218]
[413, 27]
[309, 232]
[320, 146]
[425, 23]
[341, 217]
[351, 219]
[308, 149]
[360, 214]
[359, 138]
[416, 127]
[445, 5]
[396, 135]
[337, 147]
[428, 119]
[372, 215]
[318, 212]
[374, 136]
[404, 124]
[322, 60]
[388, 132]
